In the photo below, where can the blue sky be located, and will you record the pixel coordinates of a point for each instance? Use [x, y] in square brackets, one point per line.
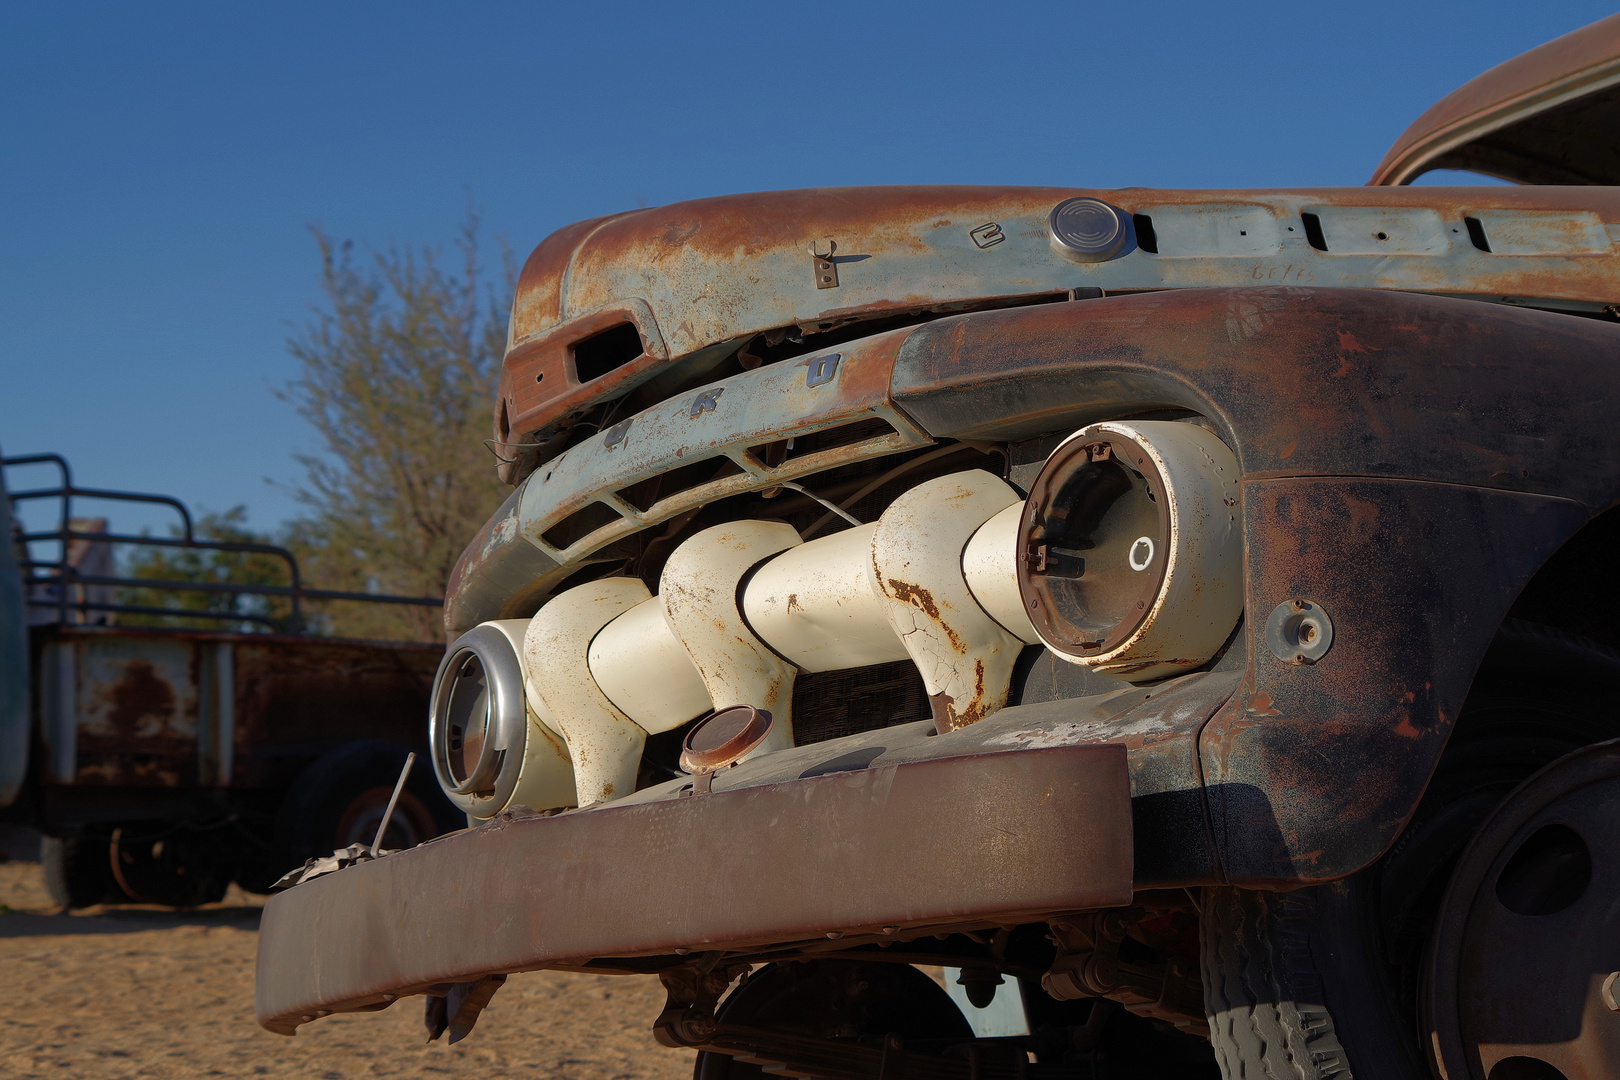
[160, 163]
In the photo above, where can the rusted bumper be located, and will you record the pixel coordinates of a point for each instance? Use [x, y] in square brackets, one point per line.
[953, 841]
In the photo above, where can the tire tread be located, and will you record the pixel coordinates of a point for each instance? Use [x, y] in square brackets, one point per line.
[1267, 1011]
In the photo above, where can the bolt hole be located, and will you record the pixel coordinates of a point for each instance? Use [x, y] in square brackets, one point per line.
[540, 377]
[1383, 236]
[1550, 871]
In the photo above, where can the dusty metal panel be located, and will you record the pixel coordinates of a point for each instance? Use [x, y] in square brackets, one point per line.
[1030, 832]
[1304, 382]
[511, 558]
[216, 734]
[1333, 400]
[59, 709]
[1158, 725]
[123, 707]
[496, 573]
[295, 698]
[1509, 106]
[1416, 578]
[719, 270]
[719, 422]
[137, 711]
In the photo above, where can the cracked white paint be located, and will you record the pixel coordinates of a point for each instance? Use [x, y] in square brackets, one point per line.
[964, 656]
[604, 745]
[698, 591]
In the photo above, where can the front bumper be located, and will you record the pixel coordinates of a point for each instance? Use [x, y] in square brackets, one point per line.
[991, 835]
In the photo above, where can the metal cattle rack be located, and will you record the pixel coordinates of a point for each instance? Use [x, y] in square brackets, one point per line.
[72, 593]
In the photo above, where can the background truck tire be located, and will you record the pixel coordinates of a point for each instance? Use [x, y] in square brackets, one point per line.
[339, 800]
[77, 871]
[175, 865]
[1326, 981]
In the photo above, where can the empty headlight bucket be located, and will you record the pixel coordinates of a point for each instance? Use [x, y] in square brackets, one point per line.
[1130, 556]
[482, 732]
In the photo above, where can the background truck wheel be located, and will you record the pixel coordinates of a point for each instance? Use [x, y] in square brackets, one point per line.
[340, 799]
[169, 864]
[77, 871]
[1330, 981]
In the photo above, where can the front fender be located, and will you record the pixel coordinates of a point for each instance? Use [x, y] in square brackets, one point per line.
[1408, 463]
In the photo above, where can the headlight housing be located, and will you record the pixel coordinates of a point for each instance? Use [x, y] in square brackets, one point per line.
[1130, 548]
[478, 724]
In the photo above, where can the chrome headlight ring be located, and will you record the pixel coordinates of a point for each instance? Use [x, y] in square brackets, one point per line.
[478, 720]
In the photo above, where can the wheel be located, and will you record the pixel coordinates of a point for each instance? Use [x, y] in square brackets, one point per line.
[1523, 980]
[339, 800]
[840, 1000]
[77, 874]
[1330, 981]
[164, 863]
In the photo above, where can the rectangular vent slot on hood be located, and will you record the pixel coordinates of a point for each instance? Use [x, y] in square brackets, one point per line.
[773, 454]
[656, 489]
[611, 349]
[580, 524]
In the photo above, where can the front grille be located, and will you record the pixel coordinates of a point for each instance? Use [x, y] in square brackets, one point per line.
[833, 704]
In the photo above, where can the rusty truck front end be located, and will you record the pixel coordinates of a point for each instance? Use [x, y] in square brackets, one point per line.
[1085, 589]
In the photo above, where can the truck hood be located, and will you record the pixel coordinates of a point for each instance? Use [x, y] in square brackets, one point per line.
[1541, 118]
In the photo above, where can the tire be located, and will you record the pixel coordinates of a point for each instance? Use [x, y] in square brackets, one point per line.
[175, 865]
[340, 799]
[1293, 989]
[1324, 983]
[77, 871]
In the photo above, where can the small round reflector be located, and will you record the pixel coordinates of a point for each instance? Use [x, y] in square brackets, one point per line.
[724, 738]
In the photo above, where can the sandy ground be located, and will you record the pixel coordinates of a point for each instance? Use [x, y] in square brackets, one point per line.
[116, 992]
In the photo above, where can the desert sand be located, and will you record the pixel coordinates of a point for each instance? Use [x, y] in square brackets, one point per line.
[116, 991]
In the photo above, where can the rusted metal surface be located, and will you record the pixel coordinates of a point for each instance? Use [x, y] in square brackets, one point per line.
[1032, 832]
[965, 657]
[1416, 577]
[296, 698]
[138, 712]
[1319, 383]
[1304, 381]
[1524, 972]
[1549, 246]
[695, 276]
[1530, 119]
[1503, 415]
[122, 707]
[721, 429]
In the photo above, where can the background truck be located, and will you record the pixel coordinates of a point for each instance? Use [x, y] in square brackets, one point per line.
[1187, 613]
[163, 763]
